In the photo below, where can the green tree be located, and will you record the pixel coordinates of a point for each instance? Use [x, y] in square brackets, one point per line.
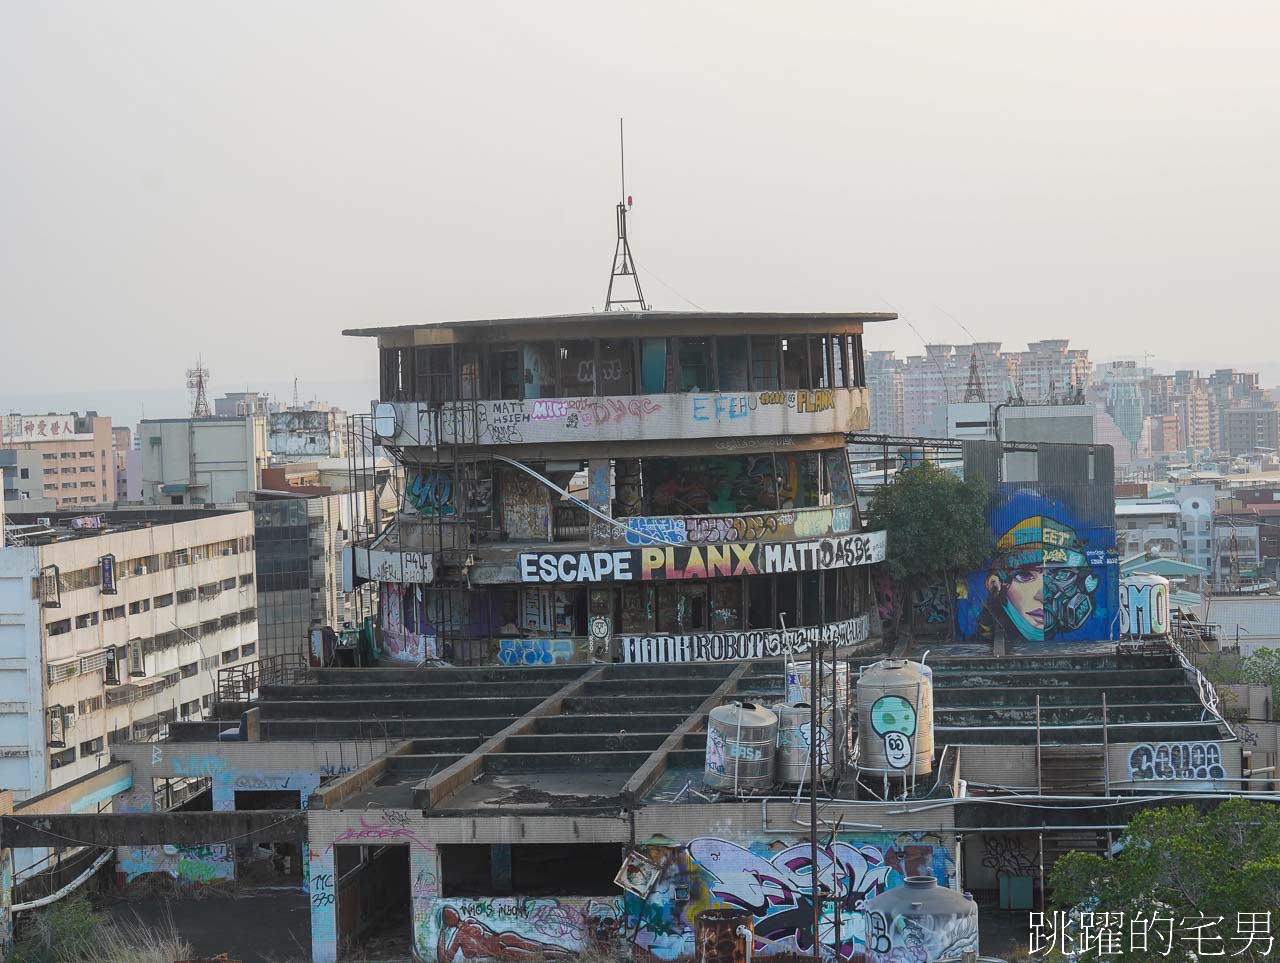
[1262, 668]
[937, 530]
[1191, 867]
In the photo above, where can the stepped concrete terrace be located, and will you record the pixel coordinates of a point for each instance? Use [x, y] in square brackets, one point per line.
[606, 737]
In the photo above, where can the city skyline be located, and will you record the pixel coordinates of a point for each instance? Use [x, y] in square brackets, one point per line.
[1020, 170]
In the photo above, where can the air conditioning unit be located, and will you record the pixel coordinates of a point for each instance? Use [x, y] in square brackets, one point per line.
[227, 551]
[69, 718]
[43, 520]
[140, 570]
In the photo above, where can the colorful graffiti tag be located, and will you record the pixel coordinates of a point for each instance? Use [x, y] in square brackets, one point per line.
[535, 651]
[1053, 575]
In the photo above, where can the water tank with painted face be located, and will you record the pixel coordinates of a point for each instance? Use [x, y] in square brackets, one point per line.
[895, 718]
[742, 741]
[1144, 606]
[920, 921]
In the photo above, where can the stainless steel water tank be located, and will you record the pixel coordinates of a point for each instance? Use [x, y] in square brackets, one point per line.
[742, 740]
[921, 921]
[800, 685]
[895, 718]
[793, 743]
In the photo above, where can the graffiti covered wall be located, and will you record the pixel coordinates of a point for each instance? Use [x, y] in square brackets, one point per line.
[772, 880]
[198, 864]
[1053, 573]
[407, 635]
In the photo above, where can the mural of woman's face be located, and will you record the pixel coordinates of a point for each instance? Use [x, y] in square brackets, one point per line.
[1025, 594]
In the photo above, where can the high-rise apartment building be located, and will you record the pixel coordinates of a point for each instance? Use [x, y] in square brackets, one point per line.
[114, 626]
[76, 452]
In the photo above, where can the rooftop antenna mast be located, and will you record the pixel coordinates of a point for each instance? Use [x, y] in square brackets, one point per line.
[197, 380]
[623, 264]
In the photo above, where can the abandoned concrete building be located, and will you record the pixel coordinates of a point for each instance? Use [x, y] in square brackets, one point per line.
[629, 533]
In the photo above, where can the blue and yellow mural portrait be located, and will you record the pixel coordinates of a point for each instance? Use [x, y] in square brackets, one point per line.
[1053, 575]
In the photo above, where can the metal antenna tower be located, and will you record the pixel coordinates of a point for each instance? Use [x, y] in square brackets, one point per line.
[623, 264]
[973, 391]
[197, 379]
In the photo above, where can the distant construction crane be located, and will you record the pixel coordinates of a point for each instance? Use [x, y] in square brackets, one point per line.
[197, 382]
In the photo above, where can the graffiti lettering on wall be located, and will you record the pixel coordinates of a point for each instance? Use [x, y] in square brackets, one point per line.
[773, 881]
[735, 646]
[739, 443]
[519, 928]
[671, 563]
[1053, 574]
[535, 651]
[929, 605]
[430, 492]
[1005, 855]
[1194, 761]
[380, 565]
[198, 864]
[711, 529]
[917, 939]
[407, 636]
[388, 825]
[731, 407]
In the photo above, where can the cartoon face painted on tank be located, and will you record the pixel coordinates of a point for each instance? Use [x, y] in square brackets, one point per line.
[893, 718]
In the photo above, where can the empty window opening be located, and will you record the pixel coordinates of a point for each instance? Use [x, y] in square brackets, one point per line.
[529, 869]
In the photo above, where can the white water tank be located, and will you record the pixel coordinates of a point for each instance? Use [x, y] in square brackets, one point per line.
[895, 718]
[742, 742]
[1144, 606]
[920, 921]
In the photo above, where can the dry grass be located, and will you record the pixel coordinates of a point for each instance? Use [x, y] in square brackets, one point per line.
[71, 932]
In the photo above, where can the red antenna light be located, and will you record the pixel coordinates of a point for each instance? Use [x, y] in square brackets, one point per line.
[628, 200]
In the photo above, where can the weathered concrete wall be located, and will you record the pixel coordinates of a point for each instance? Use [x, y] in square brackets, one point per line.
[736, 859]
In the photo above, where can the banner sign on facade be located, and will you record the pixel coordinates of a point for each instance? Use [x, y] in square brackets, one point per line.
[672, 563]
[107, 574]
[737, 646]
[23, 428]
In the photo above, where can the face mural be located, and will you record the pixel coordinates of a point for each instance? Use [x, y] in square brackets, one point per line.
[1052, 576]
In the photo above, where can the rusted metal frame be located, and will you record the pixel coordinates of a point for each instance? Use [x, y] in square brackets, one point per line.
[447, 781]
[642, 779]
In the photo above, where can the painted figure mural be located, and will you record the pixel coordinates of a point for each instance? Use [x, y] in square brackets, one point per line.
[1052, 577]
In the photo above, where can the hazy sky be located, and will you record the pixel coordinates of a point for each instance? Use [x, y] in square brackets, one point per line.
[243, 180]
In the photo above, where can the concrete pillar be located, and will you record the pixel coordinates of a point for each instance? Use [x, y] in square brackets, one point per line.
[599, 497]
[500, 868]
[323, 887]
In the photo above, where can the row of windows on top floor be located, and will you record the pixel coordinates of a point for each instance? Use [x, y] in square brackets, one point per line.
[205, 593]
[594, 367]
[90, 577]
